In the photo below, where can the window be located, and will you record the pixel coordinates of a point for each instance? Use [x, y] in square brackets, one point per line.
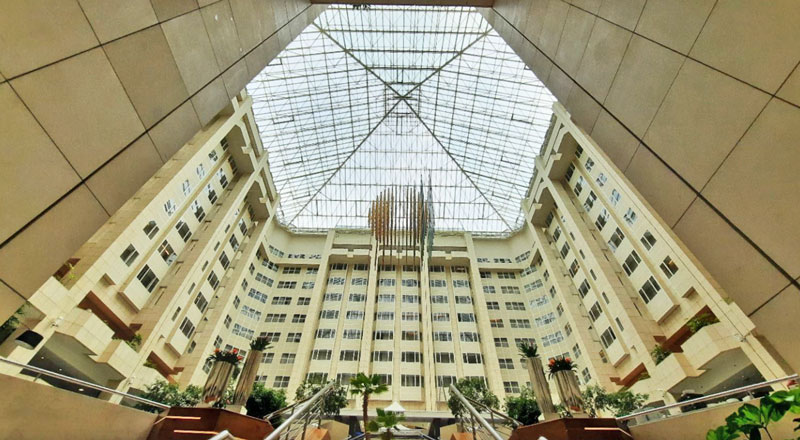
[148, 278]
[589, 203]
[492, 305]
[496, 323]
[385, 298]
[201, 302]
[276, 317]
[469, 337]
[312, 271]
[648, 241]
[287, 284]
[668, 267]
[552, 339]
[520, 323]
[530, 287]
[227, 322]
[608, 337]
[242, 331]
[293, 337]
[409, 282]
[187, 328]
[615, 197]
[183, 230]
[169, 207]
[383, 335]
[511, 387]
[439, 299]
[411, 299]
[291, 270]
[444, 357]
[515, 306]
[466, 317]
[630, 216]
[442, 381]
[459, 269]
[199, 213]
[411, 356]
[577, 350]
[570, 171]
[461, 299]
[338, 266]
[303, 301]
[211, 194]
[321, 355]
[579, 185]
[586, 375]
[268, 358]
[595, 311]
[386, 282]
[384, 316]
[501, 342]
[329, 314]
[223, 260]
[616, 239]
[565, 250]
[545, 319]
[440, 316]
[351, 334]
[436, 269]
[281, 300]
[349, 355]
[360, 267]
[411, 316]
[583, 289]
[513, 290]
[382, 356]
[280, 381]
[619, 324]
[234, 243]
[298, 318]
[308, 285]
[288, 358]
[486, 275]
[573, 268]
[506, 364]
[129, 255]
[649, 290]
[460, 283]
[166, 252]
[472, 358]
[631, 263]
[410, 335]
[358, 297]
[358, 281]
[332, 297]
[601, 179]
[539, 301]
[442, 336]
[489, 289]
[605, 297]
[438, 283]
[506, 275]
[355, 314]
[385, 379]
[150, 229]
[560, 309]
[326, 333]
[411, 380]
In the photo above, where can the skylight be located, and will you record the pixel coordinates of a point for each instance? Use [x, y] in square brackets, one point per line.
[365, 99]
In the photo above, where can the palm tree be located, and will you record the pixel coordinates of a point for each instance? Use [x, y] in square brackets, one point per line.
[387, 420]
[366, 386]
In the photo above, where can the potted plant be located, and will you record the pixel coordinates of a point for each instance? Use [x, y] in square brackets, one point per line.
[248, 376]
[541, 389]
[659, 353]
[224, 362]
[563, 370]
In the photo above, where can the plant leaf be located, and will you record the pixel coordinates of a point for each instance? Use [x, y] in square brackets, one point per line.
[721, 433]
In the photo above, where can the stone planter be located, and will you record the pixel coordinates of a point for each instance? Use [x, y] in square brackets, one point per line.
[541, 389]
[217, 381]
[247, 378]
[568, 390]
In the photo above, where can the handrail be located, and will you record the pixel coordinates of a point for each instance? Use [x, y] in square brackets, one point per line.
[300, 412]
[475, 413]
[709, 397]
[224, 435]
[493, 411]
[278, 412]
[91, 385]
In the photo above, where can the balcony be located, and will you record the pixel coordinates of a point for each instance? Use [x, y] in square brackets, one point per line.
[119, 356]
[87, 329]
[708, 343]
[673, 370]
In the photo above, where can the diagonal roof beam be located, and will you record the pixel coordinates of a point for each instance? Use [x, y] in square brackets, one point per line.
[466, 174]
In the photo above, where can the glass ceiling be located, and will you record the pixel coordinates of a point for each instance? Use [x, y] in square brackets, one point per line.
[368, 98]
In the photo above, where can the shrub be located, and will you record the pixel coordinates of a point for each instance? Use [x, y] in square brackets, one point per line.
[523, 407]
[170, 394]
[473, 388]
[659, 354]
[700, 321]
[263, 401]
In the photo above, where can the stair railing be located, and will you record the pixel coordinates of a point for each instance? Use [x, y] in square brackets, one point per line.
[301, 415]
[479, 427]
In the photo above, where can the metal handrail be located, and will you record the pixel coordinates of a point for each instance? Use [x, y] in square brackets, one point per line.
[710, 397]
[299, 413]
[84, 383]
[224, 435]
[514, 422]
[285, 409]
[475, 414]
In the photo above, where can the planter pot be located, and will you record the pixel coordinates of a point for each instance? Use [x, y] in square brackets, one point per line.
[541, 389]
[247, 378]
[568, 390]
[217, 381]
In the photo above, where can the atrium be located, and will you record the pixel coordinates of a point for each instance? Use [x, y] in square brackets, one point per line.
[435, 219]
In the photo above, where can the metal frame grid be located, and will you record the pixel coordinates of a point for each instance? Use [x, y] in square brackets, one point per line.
[368, 98]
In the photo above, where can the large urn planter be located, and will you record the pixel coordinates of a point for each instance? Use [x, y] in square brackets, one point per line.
[249, 372]
[563, 372]
[224, 363]
[541, 389]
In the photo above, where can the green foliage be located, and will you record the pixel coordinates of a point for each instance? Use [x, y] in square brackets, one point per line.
[134, 342]
[523, 407]
[659, 354]
[750, 420]
[367, 385]
[231, 357]
[11, 324]
[332, 402]
[260, 344]
[528, 350]
[560, 364]
[473, 388]
[701, 321]
[170, 394]
[263, 401]
[150, 364]
[387, 420]
[620, 403]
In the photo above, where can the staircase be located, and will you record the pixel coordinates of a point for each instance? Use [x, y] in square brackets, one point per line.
[203, 423]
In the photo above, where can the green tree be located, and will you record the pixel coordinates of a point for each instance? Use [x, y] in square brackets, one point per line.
[263, 401]
[472, 388]
[620, 403]
[387, 420]
[170, 394]
[366, 386]
[523, 408]
[332, 402]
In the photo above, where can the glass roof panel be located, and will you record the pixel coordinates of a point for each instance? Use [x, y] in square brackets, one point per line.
[365, 99]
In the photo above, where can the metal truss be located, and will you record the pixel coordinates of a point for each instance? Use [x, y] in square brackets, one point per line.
[366, 99]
